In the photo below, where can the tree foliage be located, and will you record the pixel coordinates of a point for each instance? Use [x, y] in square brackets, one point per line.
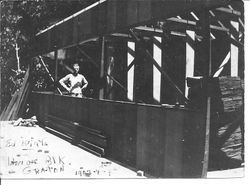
[20, 21]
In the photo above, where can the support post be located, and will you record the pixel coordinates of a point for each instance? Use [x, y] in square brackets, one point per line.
[206, 50]
[56, 63]
[131, 71]
[190, 57]
[234, 50]
[101, 92]
[1, 87]
[157, 55]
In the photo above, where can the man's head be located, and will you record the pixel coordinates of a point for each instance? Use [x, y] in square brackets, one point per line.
[76, 68]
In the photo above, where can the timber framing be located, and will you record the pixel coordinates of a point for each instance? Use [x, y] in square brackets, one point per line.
[151, 69]
[150, 58]
[189, 23]
[118, 16]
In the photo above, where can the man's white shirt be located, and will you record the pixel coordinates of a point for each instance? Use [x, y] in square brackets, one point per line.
[73, 82]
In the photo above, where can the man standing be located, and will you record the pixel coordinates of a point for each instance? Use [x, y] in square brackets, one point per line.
[76, 82]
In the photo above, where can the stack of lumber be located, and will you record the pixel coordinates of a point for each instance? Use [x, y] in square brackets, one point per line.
[232, 120]
[232, 93]
[17, 105]
[227, 129]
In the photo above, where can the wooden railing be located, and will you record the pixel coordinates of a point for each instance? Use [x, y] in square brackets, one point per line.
[161, 141]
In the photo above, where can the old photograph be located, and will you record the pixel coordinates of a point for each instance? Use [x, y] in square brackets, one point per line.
[122, 89]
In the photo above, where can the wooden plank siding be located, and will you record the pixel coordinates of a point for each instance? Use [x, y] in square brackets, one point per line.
[114, 16]
[161, 141]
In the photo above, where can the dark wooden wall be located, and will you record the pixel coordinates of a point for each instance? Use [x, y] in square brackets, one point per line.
[173, 63]
[162, 141]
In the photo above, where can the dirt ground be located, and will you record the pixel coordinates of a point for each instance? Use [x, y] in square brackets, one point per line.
[31, 152]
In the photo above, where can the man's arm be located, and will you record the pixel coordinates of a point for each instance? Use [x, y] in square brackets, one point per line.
[85, 82]
[62, 82]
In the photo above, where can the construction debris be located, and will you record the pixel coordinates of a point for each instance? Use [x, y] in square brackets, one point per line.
[25, 122]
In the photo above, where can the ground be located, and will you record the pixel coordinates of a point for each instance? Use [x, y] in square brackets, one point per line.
[31, 152]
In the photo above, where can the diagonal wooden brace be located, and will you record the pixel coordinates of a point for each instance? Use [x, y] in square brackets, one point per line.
[150, 58]
[47, 70]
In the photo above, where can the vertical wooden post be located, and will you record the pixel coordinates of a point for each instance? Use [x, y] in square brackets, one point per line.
[205, 28]
[101, 92]
[131, 71]
[190, 57]
[56, 63]
[157, 55]
[234, 50]
[1, 88]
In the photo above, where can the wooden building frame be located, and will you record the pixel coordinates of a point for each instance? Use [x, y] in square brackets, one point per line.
[134, 20]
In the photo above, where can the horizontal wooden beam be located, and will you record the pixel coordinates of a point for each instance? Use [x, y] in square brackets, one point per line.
[121, 35]
[146, 28]
[113, 16]
[194, 23]
[159, 32]
[228, 10]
